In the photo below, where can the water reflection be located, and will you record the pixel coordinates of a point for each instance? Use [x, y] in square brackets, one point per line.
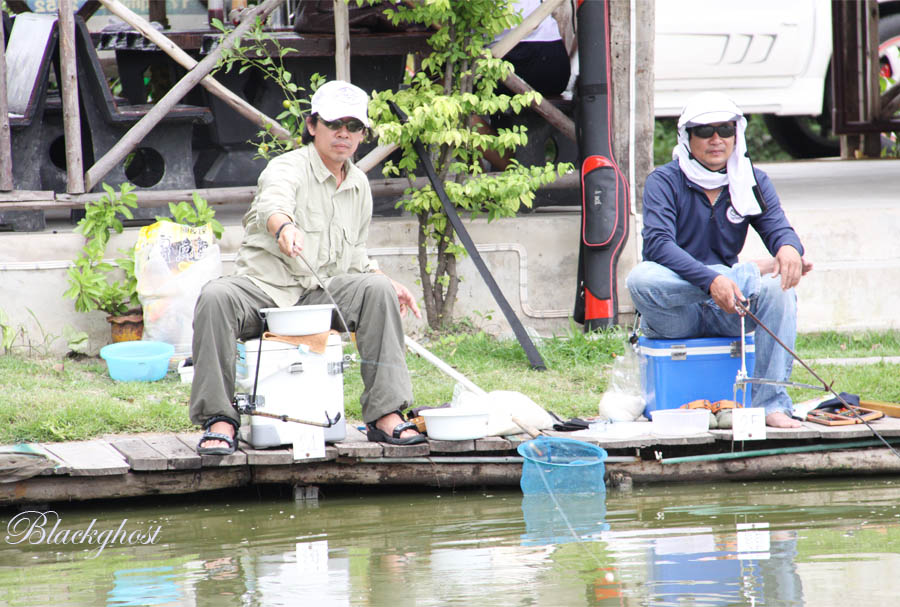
[775, 544]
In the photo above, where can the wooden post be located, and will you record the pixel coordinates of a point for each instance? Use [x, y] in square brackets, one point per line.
[871, 142]
[342, 40]
[157, 13]
[857, 97]
[6, 178]
[368, 162]
[632, 105]
[186, 61]
[505, 44]
[143, 127]
[69, 85]
[544, 108]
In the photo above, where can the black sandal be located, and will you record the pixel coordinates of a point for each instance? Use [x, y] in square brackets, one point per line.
[377, 435]
[231, 441]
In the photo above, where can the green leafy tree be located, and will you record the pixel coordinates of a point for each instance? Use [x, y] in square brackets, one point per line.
[456, 81]
[260, 50]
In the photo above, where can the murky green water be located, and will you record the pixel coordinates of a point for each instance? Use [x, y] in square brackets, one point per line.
[822, 543]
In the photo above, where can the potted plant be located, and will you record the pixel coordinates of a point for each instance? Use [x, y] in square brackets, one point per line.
[89, 278]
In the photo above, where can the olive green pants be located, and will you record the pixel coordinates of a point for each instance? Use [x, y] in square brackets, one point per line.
[227, 310]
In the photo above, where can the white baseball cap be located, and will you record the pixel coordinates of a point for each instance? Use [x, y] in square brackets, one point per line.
[709, 108]
[337, 99]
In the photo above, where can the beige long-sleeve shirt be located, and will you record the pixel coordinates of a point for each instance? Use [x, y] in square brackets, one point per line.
[334, 222]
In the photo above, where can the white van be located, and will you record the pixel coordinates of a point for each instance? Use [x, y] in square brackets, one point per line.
[772, 57]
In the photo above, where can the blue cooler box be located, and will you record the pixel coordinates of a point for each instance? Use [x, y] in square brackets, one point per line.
[677, 371]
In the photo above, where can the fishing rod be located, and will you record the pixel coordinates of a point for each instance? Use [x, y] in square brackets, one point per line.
[744, 309]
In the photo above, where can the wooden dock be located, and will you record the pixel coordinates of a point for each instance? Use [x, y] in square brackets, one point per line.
[166, 464]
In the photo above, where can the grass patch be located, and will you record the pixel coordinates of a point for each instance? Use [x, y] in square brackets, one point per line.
[831, 344]
[879, 381]
[47, 400]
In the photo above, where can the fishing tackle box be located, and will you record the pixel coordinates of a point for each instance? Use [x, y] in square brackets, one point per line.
[677, 371]
[292, 381]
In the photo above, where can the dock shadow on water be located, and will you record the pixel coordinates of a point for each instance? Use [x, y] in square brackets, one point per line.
[820, 543]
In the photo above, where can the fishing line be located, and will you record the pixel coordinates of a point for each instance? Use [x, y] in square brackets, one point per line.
[327, 292]
[828, 387]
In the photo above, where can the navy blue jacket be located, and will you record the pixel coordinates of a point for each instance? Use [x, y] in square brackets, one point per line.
[685, 233]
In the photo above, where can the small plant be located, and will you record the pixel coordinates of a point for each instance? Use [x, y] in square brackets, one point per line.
[89, 283]
[8, 333]
[196, 213]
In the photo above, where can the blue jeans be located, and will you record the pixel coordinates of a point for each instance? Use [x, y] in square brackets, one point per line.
[672, 308]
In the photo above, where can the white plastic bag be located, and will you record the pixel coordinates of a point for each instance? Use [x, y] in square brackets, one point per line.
[172, 262]
[623, 400]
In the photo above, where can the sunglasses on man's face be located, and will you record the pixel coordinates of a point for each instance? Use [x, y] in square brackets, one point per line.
[353, 125]
[705, 131]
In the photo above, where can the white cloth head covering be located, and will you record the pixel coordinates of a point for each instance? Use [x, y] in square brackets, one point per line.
[337, 99]
[709, 108]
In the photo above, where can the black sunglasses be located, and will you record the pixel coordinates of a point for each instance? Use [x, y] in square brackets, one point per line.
[353, 125]
[705, 131]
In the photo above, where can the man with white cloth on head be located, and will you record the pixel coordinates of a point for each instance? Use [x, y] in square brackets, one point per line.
[696, 212]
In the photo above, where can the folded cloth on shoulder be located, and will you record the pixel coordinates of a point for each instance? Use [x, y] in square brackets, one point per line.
[316, 342]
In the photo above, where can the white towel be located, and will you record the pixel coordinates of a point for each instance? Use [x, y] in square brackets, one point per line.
[709, 108]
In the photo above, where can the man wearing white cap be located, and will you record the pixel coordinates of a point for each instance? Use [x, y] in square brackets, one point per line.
[697, 210]
[316, 203]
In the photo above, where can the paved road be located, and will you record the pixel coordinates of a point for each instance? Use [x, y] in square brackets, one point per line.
[836, 183]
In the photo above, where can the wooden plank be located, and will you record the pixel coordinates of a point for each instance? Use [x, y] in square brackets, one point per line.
[89, 458]
[268, 457]
[365, 449]
[355, 444]
[178, 456]
[493, 443]
[451, 446]
[889, 409]
[43, 489]
[238, 458]
[444, 476]
[406, 450]
[138, 454]
[331, 454]
[42, 196]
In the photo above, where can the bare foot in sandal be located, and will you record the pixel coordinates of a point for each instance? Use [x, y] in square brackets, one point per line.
[213, 446]
[385, 429]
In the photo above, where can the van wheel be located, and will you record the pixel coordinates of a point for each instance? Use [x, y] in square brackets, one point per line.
[811, 136]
